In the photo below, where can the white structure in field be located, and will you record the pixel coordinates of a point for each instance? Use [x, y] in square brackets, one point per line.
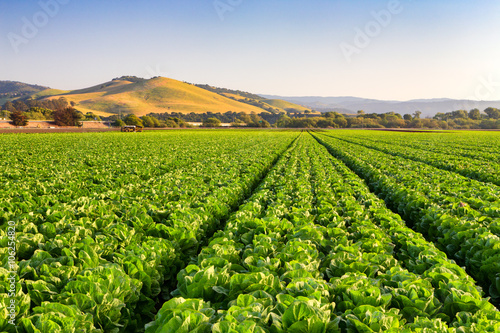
[197, 124]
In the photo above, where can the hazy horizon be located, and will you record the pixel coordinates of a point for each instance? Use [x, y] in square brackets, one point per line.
[387, 50]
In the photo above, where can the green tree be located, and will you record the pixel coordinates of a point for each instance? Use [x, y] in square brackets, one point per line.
[133, 120]
[89, 116]
[47, 113]
[19, 118]
[237, 123]
[254, 120]
[393, 114]
[9, 106]
[170, 123]
[475, 114]
[245, 118]
[62, 102]
[353, 122]
[178, 121]
[148, 121]
[4, 114]
[118, 123]
[492, 113]
[459, 114]
[20, 105]
[341, 122]
[408, 117]
[442, 124]
[430, 123]
[326, 122]
[304, 123]
[417, 114]
[211, 122]
[440, 116]
[264, 124]
[156, 122]
[395, 122]
[416, 123]
[67, 116]
[35, 116]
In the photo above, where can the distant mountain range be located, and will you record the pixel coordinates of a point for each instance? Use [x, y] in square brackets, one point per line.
[350, 105]
[130, 94]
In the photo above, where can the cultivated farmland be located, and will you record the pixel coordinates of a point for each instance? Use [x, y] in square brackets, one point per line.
[250, 231]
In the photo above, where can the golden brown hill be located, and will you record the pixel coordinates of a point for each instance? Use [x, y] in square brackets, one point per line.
[157, 95]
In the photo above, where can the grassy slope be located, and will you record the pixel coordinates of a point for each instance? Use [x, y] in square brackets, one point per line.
[49, 92]
[157, 95]
[4, 100]
[279, 103]
[241, 98]
[20, 88]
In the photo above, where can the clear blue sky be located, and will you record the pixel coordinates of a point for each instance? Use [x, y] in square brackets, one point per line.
[423, 49]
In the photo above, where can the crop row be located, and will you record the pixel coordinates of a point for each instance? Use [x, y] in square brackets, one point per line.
[479, 146]
[463, 196]
[100, 246]
[314, 251]
[484, 170]
[435, 203]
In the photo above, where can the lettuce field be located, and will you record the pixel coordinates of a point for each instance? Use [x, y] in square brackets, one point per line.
[250, 231]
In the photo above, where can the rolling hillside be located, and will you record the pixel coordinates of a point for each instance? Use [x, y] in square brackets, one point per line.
[157, 95]
[253, 101]
[286, 106]
[130, 94]
[19, 88]
[271, 105]
[49, 92]
[11, 90]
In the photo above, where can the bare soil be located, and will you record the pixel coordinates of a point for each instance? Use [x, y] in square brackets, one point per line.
[35, 126]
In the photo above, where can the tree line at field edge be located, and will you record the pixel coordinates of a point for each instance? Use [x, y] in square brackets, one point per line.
[64, 114]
